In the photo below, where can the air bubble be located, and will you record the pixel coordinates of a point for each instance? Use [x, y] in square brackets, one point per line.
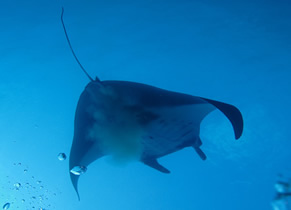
[62, 156]
[78, 170]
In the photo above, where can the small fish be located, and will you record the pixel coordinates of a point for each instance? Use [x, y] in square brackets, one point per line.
[6, 206]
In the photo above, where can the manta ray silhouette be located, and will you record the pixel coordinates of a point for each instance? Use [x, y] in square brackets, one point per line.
[133, 120]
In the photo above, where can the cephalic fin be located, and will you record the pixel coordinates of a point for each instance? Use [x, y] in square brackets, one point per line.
[154, 164]
[200, 153]
[196, 146]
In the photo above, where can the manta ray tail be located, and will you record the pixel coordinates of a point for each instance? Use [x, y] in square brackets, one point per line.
[72, 50]
[232, 113]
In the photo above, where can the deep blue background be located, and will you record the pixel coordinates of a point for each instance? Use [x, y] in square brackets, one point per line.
[237, 52]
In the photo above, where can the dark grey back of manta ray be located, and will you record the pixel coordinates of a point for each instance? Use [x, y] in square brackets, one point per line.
[160, 122]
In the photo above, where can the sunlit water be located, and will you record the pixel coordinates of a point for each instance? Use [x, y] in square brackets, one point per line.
[237, 52]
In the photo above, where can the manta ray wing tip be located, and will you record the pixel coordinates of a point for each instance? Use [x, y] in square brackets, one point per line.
[74, 179]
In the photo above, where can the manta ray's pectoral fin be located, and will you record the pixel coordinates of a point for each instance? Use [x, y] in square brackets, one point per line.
[83, 153]
[232, 113]
[196, 146]
[74, 180]
[154, 164]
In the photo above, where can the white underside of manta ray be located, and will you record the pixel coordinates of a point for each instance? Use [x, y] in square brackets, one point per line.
[138, 121]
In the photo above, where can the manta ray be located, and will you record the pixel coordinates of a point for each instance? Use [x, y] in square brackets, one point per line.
[129, 120]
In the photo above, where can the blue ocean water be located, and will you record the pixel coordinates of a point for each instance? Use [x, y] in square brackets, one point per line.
[232, 51]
